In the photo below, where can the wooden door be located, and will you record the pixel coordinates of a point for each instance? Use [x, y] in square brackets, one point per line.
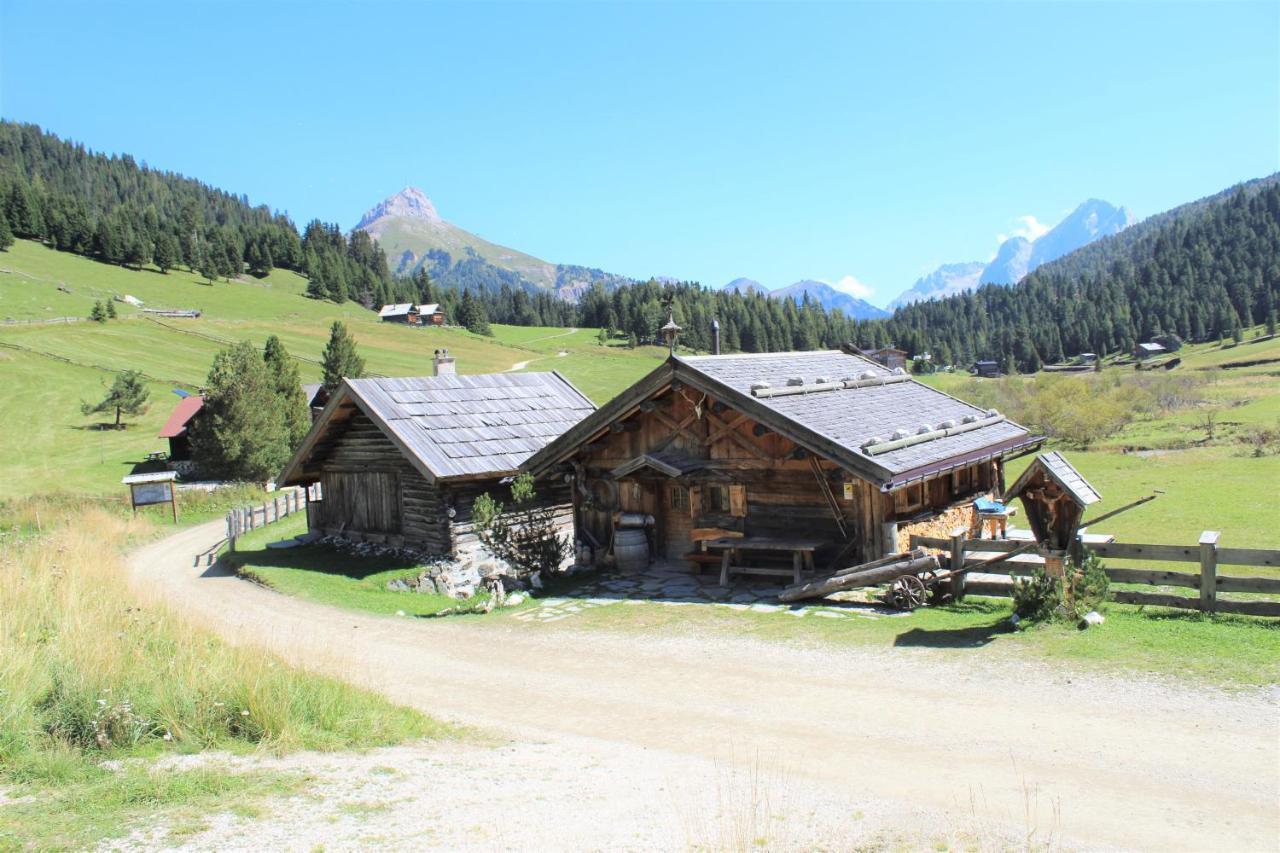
[676, 518]
[364, 502]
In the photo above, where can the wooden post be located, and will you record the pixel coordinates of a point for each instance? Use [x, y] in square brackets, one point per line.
[957, 563]
[275, 503]
[1209, 571]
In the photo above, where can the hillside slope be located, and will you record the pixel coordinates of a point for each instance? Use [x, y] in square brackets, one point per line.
[49, 367]
[1202, 271]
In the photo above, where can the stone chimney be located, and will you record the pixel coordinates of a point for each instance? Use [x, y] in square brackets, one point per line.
[715, 337]
[442, 364]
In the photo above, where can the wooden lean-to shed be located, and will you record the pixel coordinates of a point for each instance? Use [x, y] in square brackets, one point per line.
[829, 451]
[1055, 496]
[400, 461]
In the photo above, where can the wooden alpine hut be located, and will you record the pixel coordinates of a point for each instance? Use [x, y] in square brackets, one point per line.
[400, 461]
[802, 459]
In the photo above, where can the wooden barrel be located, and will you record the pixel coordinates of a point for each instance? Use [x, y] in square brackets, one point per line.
[631, 549]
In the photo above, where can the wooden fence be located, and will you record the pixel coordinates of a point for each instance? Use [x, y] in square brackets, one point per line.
[1207, 581]
[241, 521]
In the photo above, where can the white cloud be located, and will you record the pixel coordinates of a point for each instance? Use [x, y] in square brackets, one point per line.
[1025, 226]
[850, 284]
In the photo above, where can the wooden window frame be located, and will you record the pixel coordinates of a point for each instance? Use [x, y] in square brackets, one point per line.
[679, 498]
[717, 499]
[904, 503]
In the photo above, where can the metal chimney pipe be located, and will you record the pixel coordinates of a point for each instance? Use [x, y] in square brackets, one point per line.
[715, 337]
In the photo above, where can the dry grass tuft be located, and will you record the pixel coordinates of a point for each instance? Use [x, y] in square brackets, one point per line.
[89, 670]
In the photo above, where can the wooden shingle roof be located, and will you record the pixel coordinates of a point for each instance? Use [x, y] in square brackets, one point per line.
[1056, 466]
[854, 402]
[460, 426]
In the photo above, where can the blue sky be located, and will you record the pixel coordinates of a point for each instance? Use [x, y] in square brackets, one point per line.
[707, 141]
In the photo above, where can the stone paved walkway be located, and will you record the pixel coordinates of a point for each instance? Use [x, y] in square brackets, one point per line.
[672, 585]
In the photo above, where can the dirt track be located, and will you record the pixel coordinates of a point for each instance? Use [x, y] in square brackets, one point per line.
[1092, 761]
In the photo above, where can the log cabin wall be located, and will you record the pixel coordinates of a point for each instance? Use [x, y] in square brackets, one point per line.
[782, 494]
[372, 493]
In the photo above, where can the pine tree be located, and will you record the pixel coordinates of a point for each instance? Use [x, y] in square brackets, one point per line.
[240, 434]
[128, 396]
[6, 233]
[341, 360]
[111, 309]
[472, 316]
[166, 253]
[99, 312]
[291, 401]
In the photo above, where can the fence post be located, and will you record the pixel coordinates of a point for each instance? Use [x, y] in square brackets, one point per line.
[957, 563]
[275, 505]
[1209, 571]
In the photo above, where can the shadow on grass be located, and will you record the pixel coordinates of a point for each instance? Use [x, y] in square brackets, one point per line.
[320, 559]
[974, 637]
[964, 637]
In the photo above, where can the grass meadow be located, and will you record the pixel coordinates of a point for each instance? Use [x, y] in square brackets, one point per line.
[46, 445]
[94, 675]
[327, 576]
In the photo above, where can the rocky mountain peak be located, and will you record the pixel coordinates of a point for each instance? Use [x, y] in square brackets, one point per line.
[409, 203]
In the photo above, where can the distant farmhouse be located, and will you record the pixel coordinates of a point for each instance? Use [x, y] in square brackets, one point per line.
[987, 369]
[803, 456]
[400, 461]
[890, 357]
[414, 315]
[1148, 350]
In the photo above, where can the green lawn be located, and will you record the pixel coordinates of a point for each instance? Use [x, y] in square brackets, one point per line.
[45, 443]
[600, 372]
[328, 576]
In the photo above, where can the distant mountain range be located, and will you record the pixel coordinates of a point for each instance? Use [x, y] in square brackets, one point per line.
[1018, 256]
[414, 235]
[819, 292]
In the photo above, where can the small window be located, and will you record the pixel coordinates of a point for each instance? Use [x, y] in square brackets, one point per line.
[908, 499]
[680, 498]
[961, 478]
[718, 499]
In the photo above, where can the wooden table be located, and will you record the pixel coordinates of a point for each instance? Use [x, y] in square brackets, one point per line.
[801, 551]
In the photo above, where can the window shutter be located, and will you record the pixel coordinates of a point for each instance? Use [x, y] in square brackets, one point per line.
[738, 501]
[695, 501]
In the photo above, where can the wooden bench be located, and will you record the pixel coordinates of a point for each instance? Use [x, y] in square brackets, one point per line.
[701, 536]
[800, 551]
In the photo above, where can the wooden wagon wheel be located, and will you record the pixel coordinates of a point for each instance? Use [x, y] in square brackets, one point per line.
[604, 495]
[908, 593]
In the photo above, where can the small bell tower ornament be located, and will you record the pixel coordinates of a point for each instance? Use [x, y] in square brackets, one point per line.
[671, 331]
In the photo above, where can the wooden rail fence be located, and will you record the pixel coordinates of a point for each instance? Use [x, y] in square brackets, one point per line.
[1207, 581]
[241, 521]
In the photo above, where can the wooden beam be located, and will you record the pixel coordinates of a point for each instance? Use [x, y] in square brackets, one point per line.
[676, 428]
[825, 488]
[1208, 570]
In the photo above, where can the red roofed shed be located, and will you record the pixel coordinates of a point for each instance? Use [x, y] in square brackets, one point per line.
[175, 429]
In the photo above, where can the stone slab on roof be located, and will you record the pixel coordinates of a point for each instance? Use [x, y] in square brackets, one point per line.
[851, 417]
[471, 425]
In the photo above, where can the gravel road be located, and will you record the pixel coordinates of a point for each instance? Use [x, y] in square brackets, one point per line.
[922, 741]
